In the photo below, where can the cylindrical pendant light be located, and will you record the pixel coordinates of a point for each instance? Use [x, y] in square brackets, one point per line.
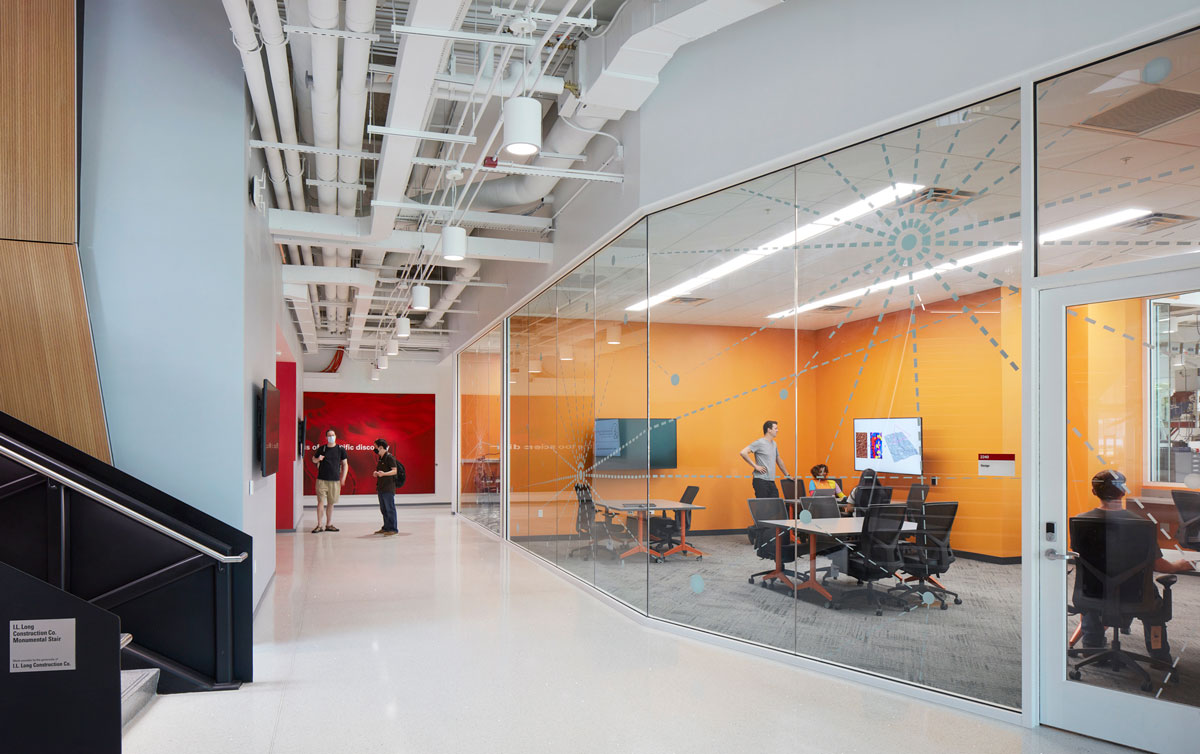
[614, 335]
[382, 361]
[454, 243]
[522, 125]
[393, 347]
[374, 374]
[420, 298]
[535, 366]
[403, 327]
[565, 353]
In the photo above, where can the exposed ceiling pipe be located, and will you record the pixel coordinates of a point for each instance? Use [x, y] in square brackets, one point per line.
[451, 294]
[275, 43]
[356, 54]
[301, 52]
[256, 81]
[360, 280]
[297, 294]
[458, 86]
[323, 14]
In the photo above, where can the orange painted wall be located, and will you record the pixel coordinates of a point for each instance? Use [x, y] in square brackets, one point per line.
[480, 403]
[1105, 389]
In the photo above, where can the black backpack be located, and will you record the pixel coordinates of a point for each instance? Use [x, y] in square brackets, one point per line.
[399, 473]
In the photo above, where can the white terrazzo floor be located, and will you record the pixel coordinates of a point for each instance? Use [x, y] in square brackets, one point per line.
[444, 639]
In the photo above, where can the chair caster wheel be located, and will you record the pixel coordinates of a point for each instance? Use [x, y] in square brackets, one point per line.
[1147, 686]
[763, 584]
[944, 606]
[828, 605]
[958, 600]
[1074, 675]
[750, 580]
[699, 557]
[879, 612]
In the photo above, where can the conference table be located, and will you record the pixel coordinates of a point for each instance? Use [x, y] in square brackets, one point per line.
[641, 509]
[843, 529]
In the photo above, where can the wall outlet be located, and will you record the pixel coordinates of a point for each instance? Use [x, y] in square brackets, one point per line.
[539, 512]
[933, 481]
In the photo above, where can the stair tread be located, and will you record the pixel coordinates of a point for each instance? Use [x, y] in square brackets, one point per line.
[138, 687]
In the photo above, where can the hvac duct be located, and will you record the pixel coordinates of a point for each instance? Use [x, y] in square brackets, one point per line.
[356, 54]
[452, 292]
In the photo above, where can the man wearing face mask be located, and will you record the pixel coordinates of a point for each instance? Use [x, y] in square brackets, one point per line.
[332, 467]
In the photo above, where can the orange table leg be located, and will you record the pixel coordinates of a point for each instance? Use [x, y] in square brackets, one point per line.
[778, 572]
[640, 547]
[811, 582]
[683, 546]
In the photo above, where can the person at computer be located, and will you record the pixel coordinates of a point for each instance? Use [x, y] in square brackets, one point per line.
[1109, 486]
[763, 457]
[820, 481]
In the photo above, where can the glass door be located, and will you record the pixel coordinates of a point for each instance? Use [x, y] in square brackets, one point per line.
[1119, 602]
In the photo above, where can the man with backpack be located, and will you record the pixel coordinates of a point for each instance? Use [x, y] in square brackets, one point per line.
[389, 473]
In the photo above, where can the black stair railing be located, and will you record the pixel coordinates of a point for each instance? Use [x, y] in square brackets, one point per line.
[179, 579]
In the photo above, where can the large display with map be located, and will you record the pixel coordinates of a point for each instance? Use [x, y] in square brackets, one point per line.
[891, 446]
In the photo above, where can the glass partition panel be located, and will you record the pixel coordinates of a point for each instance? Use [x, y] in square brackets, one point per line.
[1118, 144]
[619, 438]
[522, 369]
[480, 371]
[544, 489]
[582, 530]
[719, 370]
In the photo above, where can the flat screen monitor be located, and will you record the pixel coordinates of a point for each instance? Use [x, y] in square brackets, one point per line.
[890, 446]
[635, 444]
[301, 429]
[267, 429]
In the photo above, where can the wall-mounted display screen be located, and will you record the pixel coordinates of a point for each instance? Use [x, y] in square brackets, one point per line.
[267, 428]
[890, 446]
[622, 444]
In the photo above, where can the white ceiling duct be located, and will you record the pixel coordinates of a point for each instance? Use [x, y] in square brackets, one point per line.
[451, 294]
[362, 281]
[617, 73]
[356, 54]
[297, 293]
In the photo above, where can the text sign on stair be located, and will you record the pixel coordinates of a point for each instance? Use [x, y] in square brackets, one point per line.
[39, 646]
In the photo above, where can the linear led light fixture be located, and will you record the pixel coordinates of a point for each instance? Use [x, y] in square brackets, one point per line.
[803, 233]
[464, 36]
[587, 23]
[427, 135]
[339, 33]
[412, 205]
[1068, 231]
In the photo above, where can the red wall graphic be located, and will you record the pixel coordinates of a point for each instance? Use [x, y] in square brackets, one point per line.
[405, 421]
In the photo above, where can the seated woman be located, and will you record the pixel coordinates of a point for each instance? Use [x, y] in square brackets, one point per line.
[820, 481]
[861, 493]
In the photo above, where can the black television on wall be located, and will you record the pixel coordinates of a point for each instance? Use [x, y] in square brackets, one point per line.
[634, 444]
[301, 428]
[266, 428]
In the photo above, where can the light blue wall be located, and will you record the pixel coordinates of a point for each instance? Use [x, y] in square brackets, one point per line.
[162, 244]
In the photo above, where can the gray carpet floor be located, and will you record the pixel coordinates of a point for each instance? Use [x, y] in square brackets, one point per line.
[972, 649]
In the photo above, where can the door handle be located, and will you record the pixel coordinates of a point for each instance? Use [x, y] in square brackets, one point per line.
[1052, 554]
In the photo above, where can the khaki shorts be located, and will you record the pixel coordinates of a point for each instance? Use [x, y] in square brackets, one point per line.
[328, 492]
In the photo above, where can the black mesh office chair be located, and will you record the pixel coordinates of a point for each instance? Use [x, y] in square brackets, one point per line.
[588, 527]
[929, 555]
[792, 488]
[876, 495]
[917, 495]
[665, 528]
[1114, 578]
[1187, 505]
[877, 555]
[824, 506]
[763, 536]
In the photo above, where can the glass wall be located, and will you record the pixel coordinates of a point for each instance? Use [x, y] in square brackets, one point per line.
[700, 410]
[480, 372]
[1118, 144]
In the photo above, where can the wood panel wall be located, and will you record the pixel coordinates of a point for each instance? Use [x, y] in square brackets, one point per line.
[37, 120]
[48, 375]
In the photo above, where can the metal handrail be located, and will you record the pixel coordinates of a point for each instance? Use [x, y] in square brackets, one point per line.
[113, 504]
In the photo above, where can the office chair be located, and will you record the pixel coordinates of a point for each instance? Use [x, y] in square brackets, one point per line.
[763, 536]
[877, 555]
[877, 495]
[825, 506]
[1187, 504]
[917, 495]
[793, 489]
[929, 555]
[1114, 578]
[665, 528]
[586, 524]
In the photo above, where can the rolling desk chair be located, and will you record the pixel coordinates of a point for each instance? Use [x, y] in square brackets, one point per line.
[877, 554]
[1114, 578]
[763, 537]
[865, 499]
[665, 528]
[792, 488]
[917, 495]
[586, 524]
[929, 555]
[1187, 505]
